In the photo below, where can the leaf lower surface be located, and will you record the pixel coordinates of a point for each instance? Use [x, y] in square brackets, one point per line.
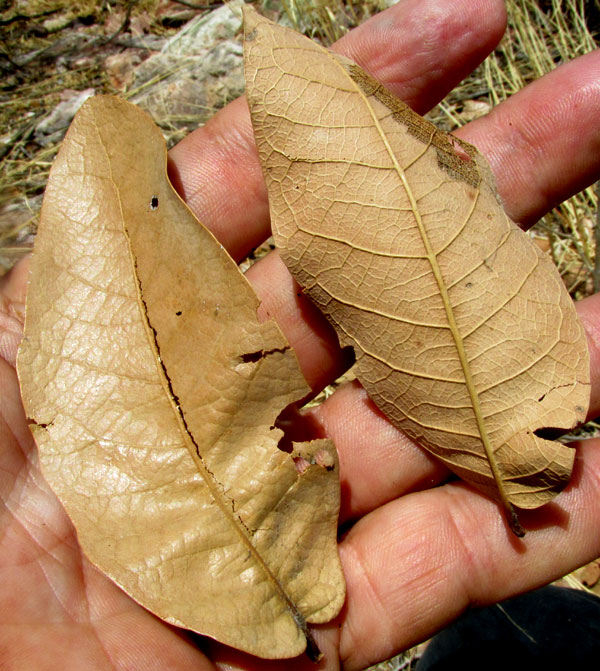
[153, 391]
[464, 334]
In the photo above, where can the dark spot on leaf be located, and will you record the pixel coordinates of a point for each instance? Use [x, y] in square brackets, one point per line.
[154, 203]
[43, 425]
[455, 156]
[178, 313]
[251, 35]
[468, 285]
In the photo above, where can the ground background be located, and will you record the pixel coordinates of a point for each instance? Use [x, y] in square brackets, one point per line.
[54, 53]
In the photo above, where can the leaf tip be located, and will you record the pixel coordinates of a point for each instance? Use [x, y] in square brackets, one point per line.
[251, 18]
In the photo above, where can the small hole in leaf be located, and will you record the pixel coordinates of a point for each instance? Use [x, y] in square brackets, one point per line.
[296, 427]
[285, 444]
[154, 203]
[460, 150]
[252, 357]
[549, 433]
[178, 313]
[348, 356]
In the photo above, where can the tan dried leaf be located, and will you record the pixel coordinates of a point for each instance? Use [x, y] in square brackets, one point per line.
[463, 332]
[153, 392]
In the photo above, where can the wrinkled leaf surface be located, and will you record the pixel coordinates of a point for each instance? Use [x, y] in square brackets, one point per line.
[463, 332]
[153, 392]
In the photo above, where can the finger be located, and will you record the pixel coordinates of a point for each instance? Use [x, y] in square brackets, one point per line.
[314, 339]
[414, 565]
[419, 48]
[12, 310]
[589, 313]
[543, 143]
[378, 462]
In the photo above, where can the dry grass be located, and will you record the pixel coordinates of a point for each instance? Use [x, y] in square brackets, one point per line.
[536, 43]
[47, 47]
[328, 21]
[540, 36]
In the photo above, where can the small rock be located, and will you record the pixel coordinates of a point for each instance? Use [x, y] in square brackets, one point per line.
[140, 25]
[120, 68]
[473, 109]
[198, 70]
[113, 22]
[18, 223]
[54, 24]
[52, 128]
[542, 242]
[590, 574]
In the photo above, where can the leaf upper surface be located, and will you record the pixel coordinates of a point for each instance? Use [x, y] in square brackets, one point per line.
[153, 393]
[464, 334]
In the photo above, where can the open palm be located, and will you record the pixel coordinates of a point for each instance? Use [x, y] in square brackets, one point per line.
[419, 551]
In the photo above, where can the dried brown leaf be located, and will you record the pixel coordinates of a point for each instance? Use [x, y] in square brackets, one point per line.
[153, 392]
[463, 332]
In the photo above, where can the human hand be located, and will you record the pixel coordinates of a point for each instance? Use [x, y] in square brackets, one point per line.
[419, 551]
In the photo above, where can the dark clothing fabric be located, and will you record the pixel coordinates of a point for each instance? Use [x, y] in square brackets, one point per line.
[552, 628]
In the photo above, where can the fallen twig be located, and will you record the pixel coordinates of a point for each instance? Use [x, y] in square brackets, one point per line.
[193, 5]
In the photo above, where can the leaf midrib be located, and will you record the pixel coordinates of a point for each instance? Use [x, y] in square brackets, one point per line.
[456, 334]
[218, 496]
